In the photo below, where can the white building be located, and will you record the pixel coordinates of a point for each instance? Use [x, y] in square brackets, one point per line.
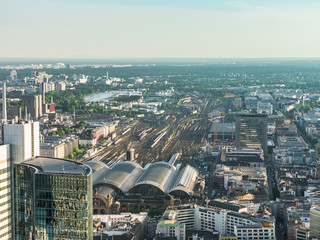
[82, 78]
[215, 219]
[23, 138]
[5, 193]
[263, 230]
[168, 226]
[61, 86]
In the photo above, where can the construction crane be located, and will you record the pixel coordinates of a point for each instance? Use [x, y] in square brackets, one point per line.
[215, 131]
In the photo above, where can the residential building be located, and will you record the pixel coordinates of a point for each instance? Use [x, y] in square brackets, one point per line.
[59, 146]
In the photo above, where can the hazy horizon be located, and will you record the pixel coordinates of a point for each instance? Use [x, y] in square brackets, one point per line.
[205, 29]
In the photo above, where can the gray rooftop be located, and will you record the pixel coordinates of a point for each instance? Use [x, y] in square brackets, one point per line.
[47, 165]
[159, 174]
[122, 175]
[96, 165]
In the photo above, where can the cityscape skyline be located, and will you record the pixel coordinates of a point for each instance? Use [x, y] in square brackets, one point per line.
[158, 120]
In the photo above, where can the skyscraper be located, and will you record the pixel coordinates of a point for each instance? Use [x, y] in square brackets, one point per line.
[251, 131]
[34, 105]
[41, 198]
[23, 138]
[5, 193]
[53, 199]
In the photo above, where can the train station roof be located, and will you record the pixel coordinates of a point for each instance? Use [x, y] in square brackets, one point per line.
[95, 165]
[159, 174]
[121, 176]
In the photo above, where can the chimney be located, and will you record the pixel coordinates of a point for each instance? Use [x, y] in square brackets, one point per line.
[43, 93]
[4, 103]
[26, 113]
[20, 114]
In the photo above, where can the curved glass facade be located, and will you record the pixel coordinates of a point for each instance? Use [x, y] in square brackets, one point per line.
[52, 205]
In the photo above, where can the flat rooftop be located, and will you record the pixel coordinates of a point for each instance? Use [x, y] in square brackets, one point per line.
[58, 166]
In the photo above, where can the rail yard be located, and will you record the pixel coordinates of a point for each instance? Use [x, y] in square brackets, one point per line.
[158, 139]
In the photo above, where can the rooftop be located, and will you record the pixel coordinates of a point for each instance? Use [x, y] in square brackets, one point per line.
[159, 174]
[49, 165]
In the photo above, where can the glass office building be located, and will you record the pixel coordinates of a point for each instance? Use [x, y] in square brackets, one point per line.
[53, 199]
[251, 131]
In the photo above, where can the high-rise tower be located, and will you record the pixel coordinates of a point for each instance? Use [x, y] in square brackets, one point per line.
[23, 138]
[53, 199]
[34, 105]
[251, 131]
[5, 193]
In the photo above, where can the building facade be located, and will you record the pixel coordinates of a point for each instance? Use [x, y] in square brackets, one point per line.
[33, 104]
[315, 222]
[23, 138]
[53, 199]
[5, 193]
[225, 222]
[251, 131]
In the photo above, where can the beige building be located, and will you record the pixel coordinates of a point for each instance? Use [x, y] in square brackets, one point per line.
[59, 148]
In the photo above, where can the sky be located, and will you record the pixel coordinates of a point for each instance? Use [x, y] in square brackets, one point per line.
[159, 29]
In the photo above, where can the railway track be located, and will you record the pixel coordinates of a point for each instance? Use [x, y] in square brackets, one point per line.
[182, 136]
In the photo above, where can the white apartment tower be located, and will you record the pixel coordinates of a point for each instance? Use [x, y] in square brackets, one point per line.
[5, 193]
[23, 138]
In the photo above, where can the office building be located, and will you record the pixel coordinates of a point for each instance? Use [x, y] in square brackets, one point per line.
[176, 220]
[23, 138]
[5, 193]
[263, 230]
[53, 199]
[315, 222]
[33, 105]
[251, 131]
